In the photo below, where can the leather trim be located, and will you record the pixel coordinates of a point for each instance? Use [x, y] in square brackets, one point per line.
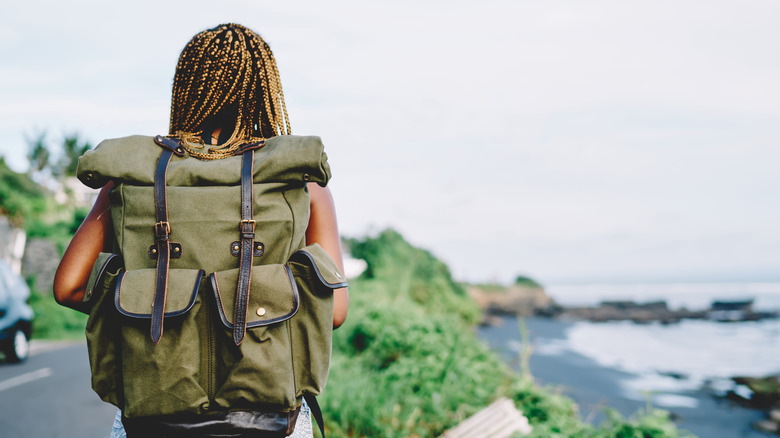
[171, 144]
[259, 248]
[264, 322]
[113, 262]
[292, 420]
[215, 424]
[250, 147]
[110, 262]
[304, 257]
[175, 251]
[118, 289]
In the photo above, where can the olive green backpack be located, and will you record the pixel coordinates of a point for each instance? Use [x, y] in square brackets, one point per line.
[211, 302]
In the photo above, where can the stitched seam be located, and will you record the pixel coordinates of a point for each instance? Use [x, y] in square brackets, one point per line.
[296, 384]
[291, 231]
[122, 215]
[211, 358]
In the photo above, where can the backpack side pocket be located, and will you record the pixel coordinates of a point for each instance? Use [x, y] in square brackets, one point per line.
[316, 275]
[102, 330]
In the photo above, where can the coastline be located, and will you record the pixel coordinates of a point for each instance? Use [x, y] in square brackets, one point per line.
[559, 359]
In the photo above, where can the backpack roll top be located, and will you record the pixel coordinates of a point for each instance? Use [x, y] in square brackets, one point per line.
[288, 159]
[316, 275]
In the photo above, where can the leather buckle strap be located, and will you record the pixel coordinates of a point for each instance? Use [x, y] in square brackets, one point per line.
[311, 400]
[162, 231]
[247, 229]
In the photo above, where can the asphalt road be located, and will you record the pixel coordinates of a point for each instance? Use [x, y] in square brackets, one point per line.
[49, 396]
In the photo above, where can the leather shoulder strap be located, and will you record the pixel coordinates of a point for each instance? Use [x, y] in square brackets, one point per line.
[247, 230]
[311, 400]
[162, 231]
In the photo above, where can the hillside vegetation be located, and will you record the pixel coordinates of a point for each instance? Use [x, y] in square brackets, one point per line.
[407, 363]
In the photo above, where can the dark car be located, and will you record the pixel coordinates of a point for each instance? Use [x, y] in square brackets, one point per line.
[15, 315]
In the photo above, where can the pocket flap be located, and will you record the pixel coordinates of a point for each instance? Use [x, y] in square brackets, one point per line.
[104, 270]
[135, 290]
[323, 266]
[273, 295]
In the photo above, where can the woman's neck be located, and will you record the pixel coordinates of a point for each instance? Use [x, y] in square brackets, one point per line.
[215, 136]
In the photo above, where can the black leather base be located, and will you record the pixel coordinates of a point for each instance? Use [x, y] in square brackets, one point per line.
[236, 424]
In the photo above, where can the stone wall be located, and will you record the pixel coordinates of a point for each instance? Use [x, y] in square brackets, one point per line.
[40, 262]
[36, 258]
[12, 243]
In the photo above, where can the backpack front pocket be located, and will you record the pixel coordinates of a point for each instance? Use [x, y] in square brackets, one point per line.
[259, 371]
[164, 378]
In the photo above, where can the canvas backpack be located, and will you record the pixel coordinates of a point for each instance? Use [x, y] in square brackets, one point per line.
[211, 301]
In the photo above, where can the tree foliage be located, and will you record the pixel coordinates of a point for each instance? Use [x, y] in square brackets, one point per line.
[39, 154]
[72, 148]
[43, 160]
[20, 197]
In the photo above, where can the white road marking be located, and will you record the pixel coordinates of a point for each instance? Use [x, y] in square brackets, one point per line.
[25, 378]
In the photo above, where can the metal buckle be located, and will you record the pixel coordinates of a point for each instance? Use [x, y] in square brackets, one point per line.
[167, 226]
[247, 221]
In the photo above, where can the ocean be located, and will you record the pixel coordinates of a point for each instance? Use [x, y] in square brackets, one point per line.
[693, 296]
[681, 367]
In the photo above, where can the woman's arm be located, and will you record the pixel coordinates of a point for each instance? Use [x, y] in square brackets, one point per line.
[324, 230]
[93, 236]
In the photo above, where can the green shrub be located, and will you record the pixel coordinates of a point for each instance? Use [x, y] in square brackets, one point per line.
[522, 280]
[53, 321]
[399, 372]
[407, 362]
[405, 271]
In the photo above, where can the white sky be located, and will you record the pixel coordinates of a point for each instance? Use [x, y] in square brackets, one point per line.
[566, 140]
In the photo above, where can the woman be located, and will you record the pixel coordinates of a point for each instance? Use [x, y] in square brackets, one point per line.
[226, 94]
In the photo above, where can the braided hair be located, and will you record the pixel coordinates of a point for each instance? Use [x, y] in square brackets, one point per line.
[226, 78]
